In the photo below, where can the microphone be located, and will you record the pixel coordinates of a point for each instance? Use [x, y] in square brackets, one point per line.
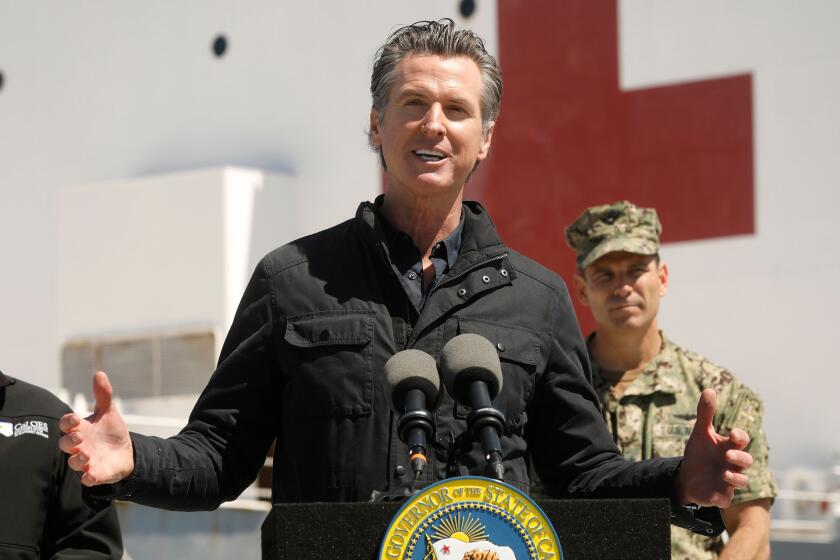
[472, 374]
[413, 388]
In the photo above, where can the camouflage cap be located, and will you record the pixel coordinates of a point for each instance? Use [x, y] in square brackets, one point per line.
[621, 226]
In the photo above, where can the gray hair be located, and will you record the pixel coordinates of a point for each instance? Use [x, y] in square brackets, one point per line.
[436, 38]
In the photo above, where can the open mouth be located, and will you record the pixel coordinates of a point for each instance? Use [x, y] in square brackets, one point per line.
[430, 155]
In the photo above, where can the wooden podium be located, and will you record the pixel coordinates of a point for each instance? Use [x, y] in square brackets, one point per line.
[587, 529]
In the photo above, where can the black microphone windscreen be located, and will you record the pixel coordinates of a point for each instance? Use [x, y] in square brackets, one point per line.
[411, 369]
[467, 358]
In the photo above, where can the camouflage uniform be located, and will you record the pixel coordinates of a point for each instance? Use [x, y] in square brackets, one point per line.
[655, 415]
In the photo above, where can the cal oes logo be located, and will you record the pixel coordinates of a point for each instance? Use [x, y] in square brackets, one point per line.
[470, 518]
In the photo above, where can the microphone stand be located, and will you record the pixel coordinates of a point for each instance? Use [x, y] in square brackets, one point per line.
[486, 423]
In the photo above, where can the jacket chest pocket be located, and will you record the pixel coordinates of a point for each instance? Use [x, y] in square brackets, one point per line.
[330, 364]
[519, 351]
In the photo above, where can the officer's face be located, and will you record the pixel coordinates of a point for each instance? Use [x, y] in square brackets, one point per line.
[623, 290]
[430, 132]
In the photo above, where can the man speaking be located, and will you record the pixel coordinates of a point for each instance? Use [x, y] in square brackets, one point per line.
[303, 361]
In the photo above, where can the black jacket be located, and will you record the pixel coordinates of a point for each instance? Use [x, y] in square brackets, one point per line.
[303, 363]
[43, 513]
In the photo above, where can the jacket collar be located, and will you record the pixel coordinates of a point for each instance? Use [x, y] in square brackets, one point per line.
[4, 380]
[479, 239]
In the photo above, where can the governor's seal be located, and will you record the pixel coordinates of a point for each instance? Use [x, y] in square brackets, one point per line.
[470, 518]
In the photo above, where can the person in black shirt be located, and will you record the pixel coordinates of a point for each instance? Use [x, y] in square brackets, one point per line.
[43, 510]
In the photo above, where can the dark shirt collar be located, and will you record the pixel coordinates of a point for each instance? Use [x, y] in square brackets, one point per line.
[406, 261]
[479, 240]
[404, 254]
[452, 243]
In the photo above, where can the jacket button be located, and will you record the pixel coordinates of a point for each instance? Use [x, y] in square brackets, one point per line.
[500, 346]
[325, 334]
[504, 272]
[485, 279]
[399, 471]
[462, 292]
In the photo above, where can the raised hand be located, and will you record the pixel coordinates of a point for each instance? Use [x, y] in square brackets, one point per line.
[99, 445]
[712, 465]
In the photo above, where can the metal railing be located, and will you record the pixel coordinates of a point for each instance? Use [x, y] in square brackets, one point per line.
[807, 516]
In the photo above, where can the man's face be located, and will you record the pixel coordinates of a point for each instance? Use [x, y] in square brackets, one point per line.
[431, 130]
[623, 290]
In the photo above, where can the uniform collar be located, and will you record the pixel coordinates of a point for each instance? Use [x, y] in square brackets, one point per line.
[661, 375]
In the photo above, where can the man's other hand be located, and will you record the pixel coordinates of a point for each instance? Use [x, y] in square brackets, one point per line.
[711, 468]
[99, 445]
